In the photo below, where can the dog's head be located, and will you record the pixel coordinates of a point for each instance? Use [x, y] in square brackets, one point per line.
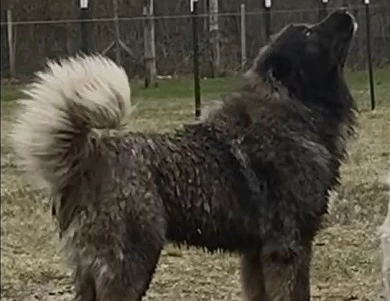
[308, 59]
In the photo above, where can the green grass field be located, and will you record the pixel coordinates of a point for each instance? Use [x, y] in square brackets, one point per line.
[346, 264]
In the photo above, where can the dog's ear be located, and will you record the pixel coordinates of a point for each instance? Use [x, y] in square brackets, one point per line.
[276, 67]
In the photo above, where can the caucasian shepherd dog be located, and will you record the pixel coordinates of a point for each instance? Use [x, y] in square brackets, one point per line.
[253, 177]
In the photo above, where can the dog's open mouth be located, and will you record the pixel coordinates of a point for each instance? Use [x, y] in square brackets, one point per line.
[340, 27]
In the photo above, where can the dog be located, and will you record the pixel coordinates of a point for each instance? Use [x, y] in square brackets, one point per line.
[252, 178]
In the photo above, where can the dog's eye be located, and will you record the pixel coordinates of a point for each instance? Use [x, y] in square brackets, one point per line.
[307, 32]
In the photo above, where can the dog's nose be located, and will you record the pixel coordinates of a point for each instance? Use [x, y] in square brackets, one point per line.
[340, 21]
[343, 10]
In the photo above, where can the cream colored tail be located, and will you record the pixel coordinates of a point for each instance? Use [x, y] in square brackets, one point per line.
[66, 102]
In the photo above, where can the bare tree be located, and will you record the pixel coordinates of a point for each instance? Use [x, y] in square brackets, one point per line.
[150, 47]
[214, 38]
[117, 32]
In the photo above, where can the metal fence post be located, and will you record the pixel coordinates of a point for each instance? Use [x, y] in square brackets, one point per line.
[369, 56]
[84, 15]
[195, 44]
[267, 18]
[323, 9]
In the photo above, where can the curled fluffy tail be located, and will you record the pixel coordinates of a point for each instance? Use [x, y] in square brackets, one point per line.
[66, 102]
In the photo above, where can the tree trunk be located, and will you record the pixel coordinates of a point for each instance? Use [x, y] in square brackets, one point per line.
[150, 47]
[117, 32]
[214, 39]
[11, 44]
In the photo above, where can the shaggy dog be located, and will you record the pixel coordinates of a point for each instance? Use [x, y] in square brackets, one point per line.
[253, 177]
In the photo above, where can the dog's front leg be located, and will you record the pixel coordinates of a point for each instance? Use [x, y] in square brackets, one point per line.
[252, 277]
[287, 275]
[280, 275]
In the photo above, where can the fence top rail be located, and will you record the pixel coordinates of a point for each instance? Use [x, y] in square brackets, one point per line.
[183, 16]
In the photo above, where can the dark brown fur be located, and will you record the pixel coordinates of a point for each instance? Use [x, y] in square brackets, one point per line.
[253, 178]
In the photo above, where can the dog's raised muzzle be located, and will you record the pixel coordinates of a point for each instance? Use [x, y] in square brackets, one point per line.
[338, 28]
[340, 23]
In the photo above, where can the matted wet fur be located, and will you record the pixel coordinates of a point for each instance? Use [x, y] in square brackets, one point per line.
[253, 177]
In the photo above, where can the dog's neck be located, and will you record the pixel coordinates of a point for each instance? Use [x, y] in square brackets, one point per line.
[264, 100]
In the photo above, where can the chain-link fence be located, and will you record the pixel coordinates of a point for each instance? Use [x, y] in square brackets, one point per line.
[35, 41]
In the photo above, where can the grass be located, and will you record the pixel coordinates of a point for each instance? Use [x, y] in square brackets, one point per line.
[179, 88]
[346, 264]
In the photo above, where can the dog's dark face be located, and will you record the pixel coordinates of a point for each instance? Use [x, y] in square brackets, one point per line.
[308, 58]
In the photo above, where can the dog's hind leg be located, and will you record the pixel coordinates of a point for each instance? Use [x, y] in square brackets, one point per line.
[119, 278]
[84, 286]
[117, 251]
[130, 285]
[111, 278]
[127, 278]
